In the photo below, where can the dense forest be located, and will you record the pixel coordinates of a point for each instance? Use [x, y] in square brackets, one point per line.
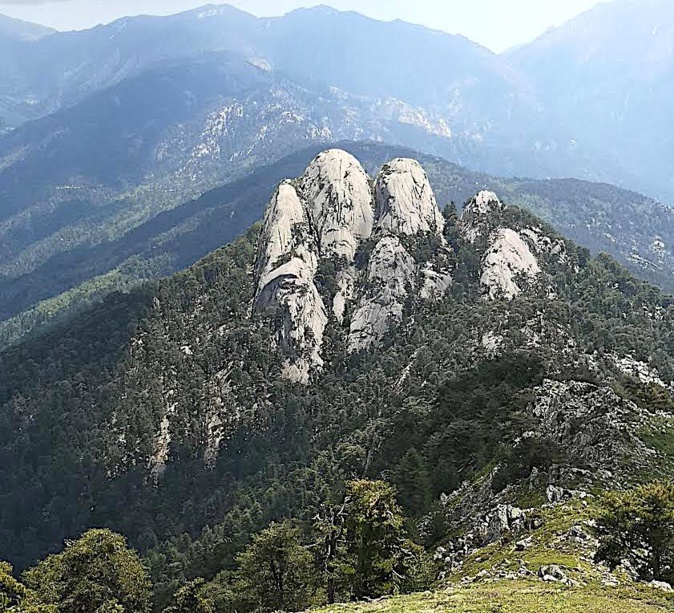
[162, 414]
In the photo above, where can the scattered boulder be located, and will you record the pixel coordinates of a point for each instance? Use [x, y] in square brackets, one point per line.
[661, 585]
[555, 494]
[552, 573]
[523, 544]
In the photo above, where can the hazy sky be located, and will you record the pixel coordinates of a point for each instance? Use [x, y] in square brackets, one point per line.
[497, 24]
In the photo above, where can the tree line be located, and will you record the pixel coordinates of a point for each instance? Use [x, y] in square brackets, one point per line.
[354, 550]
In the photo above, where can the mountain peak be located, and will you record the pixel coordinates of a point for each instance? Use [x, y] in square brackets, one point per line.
[405, 200]
[478, 214]
[327, 216]
[18, 29]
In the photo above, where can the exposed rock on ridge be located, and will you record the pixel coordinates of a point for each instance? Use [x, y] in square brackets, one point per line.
[327, 215]
[285, 270]
[508, 259]
[405, 201]
[477, 213]
[511, 258]
[405, 207]
[391, 276]
[339, 199]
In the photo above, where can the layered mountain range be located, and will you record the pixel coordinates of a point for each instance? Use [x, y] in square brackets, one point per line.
[112, 131]
[506, 114]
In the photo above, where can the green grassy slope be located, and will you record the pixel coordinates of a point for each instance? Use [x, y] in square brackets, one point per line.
[520, 597]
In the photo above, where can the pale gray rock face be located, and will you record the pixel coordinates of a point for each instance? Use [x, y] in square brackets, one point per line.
[405, 201]
[436, 283]
[405, 206]
[285, 270]
[339, 199]
[291, 289]
[391, 275]
[339, 204]
[476, 215]
[543, 244]
[327, 214]
[508, 260]
[284, 223]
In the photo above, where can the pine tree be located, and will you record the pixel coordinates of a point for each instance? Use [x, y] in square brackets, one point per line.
[98, 572]
[276, 572]
[638, 525]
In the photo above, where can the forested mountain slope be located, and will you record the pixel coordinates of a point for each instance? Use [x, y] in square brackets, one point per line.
[358, 333]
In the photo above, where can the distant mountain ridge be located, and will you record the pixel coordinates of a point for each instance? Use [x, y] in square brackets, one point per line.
[16, 29]
[611, 85]
[508, 114]
[636, 230]
[150, 113]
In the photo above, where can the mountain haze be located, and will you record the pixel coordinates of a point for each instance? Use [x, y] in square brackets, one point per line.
[611, 84]
[318, 309]
[15, 29]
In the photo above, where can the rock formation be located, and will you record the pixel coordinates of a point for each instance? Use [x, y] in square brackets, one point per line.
[391, 276]
[512, 257]
[477, 215]
[286, 266]
[507, 261]
[339, 200]
[335, 245]
[405, 201]
[326, 216]
[405, 207]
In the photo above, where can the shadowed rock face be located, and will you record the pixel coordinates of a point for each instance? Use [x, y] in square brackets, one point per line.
[477, 215]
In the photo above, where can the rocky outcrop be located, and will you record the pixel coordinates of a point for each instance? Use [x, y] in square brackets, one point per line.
[391, 276]
[508, 259]
[327, 215]
[286, 266]
[514, 256]
[593, 425]
[324, 215]
[405, 201]
[339, 202]
[506, 264]
[478, 214]
[406, 208]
